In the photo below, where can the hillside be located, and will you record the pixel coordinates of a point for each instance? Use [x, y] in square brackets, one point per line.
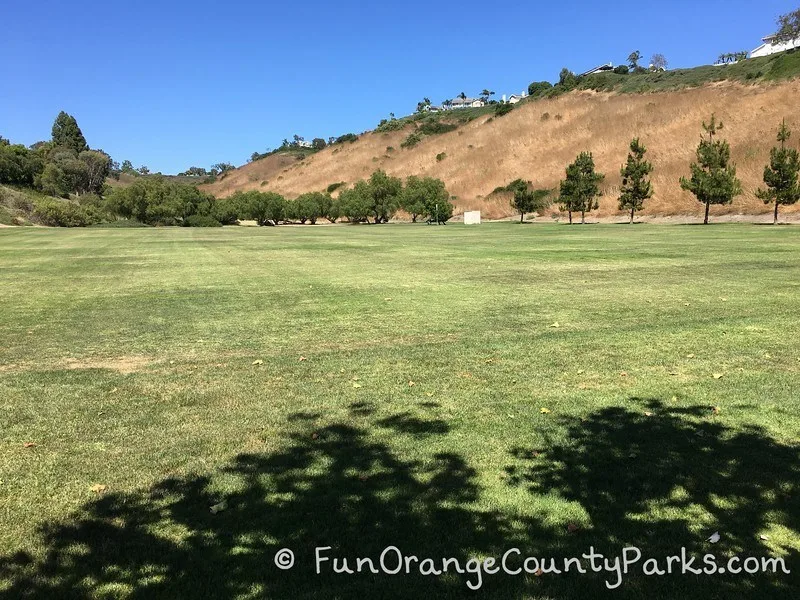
[540, 137]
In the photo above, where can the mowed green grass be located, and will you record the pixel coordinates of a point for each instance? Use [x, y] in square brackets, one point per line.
[398, 401]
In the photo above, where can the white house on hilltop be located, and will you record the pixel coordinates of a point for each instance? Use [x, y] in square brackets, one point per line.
[771, 46]
[467, 103]
[600, 69]
[514, 98]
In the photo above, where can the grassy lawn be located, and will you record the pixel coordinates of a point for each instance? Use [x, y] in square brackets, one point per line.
[396, 398]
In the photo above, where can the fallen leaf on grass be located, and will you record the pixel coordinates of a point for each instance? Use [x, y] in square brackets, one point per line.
[673, 373]
[356, 385]
[99, 488]
[258, 362]
[686, 304]
[648, 414]
[545, 411]
[387, 299]
[764, 537]
[29, 445]
[302, 358]
[623, 374]
[716, 410]
[718, 375]
[411, 384]
[581, 371]
[690, 356]
[555, 325]
[219, 507]
[314, 436]
[429, 394]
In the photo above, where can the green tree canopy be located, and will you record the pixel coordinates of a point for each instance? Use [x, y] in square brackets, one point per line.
[426, 197]
[67, 133]
[636, 187]
[581, 187]
[526, 199]
[713, 179]
[781, 175]
[788, 26]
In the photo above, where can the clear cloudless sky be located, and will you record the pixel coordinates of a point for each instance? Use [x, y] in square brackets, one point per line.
[177, 83]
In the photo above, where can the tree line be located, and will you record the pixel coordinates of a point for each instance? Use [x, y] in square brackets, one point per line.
[373, 200]
[62, 166]
[712, 179]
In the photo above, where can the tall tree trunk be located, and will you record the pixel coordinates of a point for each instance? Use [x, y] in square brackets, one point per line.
[632, 211]
[521, 217]
[570, 217]
[705, 221]
[775, 219]
[583, 217]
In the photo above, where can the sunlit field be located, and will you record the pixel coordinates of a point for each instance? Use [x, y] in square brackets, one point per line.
[178, 404]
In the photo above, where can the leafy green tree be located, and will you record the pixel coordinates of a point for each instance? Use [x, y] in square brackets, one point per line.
[567, 80]
[127, 168]
[713, 179]
[426, 197]
[581, 187]
[537, 88]
[311, 206]
[636, 187]
[265, 208]
[788, 27]
[19, 165]
[67, 133]
[526, 199]
[781, 175]
[98, 167]
[156, 201]
[384, 196]
[633, 60]
[318, 143]
[223, 167]
[331, 207]
[486, 94]
[356, 202]
[144, 170]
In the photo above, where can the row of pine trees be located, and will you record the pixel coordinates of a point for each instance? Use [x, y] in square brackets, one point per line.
[712, 181]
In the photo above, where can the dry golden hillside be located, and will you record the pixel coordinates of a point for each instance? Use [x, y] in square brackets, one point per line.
[481, 155]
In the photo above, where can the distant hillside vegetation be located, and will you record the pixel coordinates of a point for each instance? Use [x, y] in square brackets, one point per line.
[540, 136]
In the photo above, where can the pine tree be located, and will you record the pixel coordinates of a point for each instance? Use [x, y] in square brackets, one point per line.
[527, 200]
[781, 174]
[713, 179]
[636, 188]
[67, 133]
[581, 188]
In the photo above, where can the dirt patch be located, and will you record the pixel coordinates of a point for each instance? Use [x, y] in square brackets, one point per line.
[122, 364]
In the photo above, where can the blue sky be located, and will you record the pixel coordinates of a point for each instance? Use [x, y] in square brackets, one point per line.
[172, 84]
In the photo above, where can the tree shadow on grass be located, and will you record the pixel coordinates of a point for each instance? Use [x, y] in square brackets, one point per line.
[346, 488]
[662, 478]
